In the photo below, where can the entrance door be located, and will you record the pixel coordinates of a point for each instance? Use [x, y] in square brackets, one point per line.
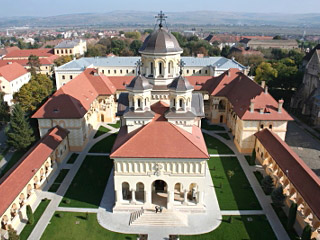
[159, 185]
[159, 193]
[221, 119]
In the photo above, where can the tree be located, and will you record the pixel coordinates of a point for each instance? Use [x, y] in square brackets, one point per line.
[62, 60]
[4, 109]
[230, 174]
[253, 157]
[278, 197]
[13, 235]
[134, 35]
[306, 234]
[135, 45]
[20, 134]
[267, 184]
[33, 63]
[32, 94]
[30, 215]
[292, 216]
[265, 72]
[225, 51]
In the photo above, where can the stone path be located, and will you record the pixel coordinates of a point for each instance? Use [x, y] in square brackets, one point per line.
[264, 200]
[242, 212]
[57, 197]
[222, 155]
[83, 210]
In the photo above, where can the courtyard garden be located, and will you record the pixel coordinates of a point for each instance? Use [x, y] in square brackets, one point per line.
[87, 187]
[115, 125]
[70, 225]
[57, 182]
[231, 185]
[239, 227]
[105, 145]
[210, 127]
[102, 130]
[215, 146]
[37, 215]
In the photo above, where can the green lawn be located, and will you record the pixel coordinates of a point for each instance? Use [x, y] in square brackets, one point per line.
[102, 130]
[235, 193]
[284, 219]
[224, 135]
[72, 158]
[88, 185]
[239, 229]
[57, 182]
[75, 226]
[105, 145]
[211, 127]
[37, 215]
[116, 125]
[215, 146]
[14, 159]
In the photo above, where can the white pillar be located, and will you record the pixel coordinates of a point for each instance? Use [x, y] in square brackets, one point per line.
[147, 197]
[200, 197]
[118, 195]
[170, 199]
[133, 196]
[185, 195]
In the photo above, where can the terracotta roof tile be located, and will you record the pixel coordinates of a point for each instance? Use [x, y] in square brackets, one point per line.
[160, 139]
[14, 181]
[42, 52]
[12, 71]
[300, 175]
[24, 62]
[74, 99]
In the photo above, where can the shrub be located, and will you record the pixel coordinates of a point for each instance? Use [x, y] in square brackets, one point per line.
[67, 201]
[292, 216]
[253, 157]
[306, 234]
[59, 215]
[230, 219]
[13, 235]
[87, 216]
[30, 215]
[278, 197]
[267, 184]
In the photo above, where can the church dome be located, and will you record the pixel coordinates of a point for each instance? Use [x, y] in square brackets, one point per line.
[139, 83]
[160, 41]
[180, 84]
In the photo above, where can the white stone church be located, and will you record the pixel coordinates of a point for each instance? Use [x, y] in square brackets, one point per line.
[160, 155]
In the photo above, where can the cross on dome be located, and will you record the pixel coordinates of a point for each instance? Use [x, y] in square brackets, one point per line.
[139, 65]
[181, 65]
[161, 17]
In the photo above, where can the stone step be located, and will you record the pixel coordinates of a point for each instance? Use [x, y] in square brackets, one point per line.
[150, 218]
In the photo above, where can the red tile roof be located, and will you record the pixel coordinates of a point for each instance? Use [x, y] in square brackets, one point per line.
[24, 62]
[74, 99]
[42, 52]
[239, 90]
[160, 139]
[12, 71]
[121, 82]
[14, 181]
[6, 50]
[300, 175]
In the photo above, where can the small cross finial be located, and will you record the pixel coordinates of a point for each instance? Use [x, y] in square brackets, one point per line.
[139, 64]
[181, 65]
[161, 17]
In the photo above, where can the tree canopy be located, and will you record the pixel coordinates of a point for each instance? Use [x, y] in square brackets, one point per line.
[62, 60]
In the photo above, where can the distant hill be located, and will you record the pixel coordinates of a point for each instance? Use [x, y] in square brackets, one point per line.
[131, 18]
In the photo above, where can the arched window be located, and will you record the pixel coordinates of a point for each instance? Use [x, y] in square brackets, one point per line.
[151, 68]
[169, 68]
[139, 103]
[180, 103]
[145, 102]
[160, 68]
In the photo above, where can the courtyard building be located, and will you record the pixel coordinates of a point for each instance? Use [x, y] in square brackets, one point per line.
[75, 47]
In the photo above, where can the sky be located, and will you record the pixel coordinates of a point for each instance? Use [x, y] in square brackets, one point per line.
[58, 7]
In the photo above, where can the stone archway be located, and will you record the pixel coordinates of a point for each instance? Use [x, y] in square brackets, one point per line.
[159, 193]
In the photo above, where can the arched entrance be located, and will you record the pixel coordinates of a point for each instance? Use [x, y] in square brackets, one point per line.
[159, 193]
[102, 118]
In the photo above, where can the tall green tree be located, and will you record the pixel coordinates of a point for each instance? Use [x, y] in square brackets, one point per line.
[292, 215]
[34, 64]
[30, 215]
[267, 184]
[278, 197]
[306, 234]
[135, 45]
[4, 109]
[62, 60]
[20, 134]
[13, 235]
[265, 72]
[253, 157]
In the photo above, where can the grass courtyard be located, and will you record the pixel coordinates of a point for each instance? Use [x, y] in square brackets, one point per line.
[87, 187]
[57, 182]
[233, 193]
[75, 226]
[215, 146]
[105, 145]
[242, 227]
[102, 130]
[115, 125]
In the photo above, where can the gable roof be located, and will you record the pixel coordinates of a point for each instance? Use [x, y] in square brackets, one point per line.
[12, 71]
[300, 175]
[74, 99]
[239, 90]
[24, 62]
[14, 181]
[41, 52]
[160, 139]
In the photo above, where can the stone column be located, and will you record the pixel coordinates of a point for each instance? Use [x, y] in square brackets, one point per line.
[133, 196]
[118, 195]
[185, 197]
[170, 199]
[147, 198]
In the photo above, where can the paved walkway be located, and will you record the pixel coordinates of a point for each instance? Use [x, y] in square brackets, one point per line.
[57, 197]
[262, 198]
[67, 209]
[198, 223]
[242, 212]
[222, 155]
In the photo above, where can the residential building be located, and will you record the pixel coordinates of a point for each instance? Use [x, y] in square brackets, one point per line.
[12, 77]
[274, 43]
[76, 47]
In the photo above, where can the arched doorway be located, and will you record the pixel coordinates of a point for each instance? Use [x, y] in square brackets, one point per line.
[102, 118]
[126, 194]
[159, 193]
[178, 192]
[140, 192]
[193, 193]
[221, 118]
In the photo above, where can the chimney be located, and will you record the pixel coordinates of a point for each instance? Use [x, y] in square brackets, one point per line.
[280, 104]
[263, 84]
[251, 106]
[261, 110]
[228, 73]
[266, 89]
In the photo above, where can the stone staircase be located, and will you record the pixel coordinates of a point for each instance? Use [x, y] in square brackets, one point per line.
[166, 218]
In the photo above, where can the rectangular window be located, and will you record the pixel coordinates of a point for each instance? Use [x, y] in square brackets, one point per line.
[194, 71]
[199, 71]
[115, 71]
[127, 71]
[102, 71]
[63, 77]
[188, 71]
[108, 71]
[121, 71]
[70, 76]
[206, 71]
[133, 71]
